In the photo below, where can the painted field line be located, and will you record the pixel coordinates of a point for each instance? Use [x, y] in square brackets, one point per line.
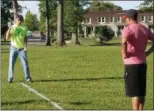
[42, 96]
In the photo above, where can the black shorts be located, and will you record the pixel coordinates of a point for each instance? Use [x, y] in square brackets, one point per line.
[135, 80]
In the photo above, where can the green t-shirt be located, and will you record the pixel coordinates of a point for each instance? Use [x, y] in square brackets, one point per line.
[18, 34]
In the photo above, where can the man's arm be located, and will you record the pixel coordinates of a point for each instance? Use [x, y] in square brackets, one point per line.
[124, 39]
[8, 34]
[124, 47]
[151, 49]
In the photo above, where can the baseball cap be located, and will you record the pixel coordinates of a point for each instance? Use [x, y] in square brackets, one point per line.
[131, 13]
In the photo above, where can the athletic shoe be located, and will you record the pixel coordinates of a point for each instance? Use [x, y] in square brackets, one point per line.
[10, 81]
[29, 80]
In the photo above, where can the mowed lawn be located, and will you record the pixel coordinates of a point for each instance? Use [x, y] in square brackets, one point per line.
[81, 77]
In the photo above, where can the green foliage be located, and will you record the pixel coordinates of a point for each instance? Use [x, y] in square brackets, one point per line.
[73, 13]
[31, 21]
[147, 5]
[6, 15]
[104, 33]
[52, 15]
[104, 6]
[42, 24]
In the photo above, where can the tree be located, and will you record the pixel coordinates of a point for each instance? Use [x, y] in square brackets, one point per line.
[147, 5]
[57, 21]
[73, 16]
[6, 15]
[16, 8]
[60, 24]
[31, 21]
[42, 25]
[104, 6]
[35, 22]
[48, 43]
[52, 5]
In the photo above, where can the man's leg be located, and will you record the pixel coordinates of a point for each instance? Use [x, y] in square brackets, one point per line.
[135, 103]
[12, 60]
[24, 61]
[142, 101]
[142, 86]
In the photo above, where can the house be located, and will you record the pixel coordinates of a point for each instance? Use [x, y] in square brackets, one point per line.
[112, 19]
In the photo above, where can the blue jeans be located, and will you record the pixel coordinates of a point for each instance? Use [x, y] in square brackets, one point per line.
[14, 52]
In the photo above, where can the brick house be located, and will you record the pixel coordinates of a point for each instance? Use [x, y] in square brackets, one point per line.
[112, 19]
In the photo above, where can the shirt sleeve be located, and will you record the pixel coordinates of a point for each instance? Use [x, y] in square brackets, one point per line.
[126, 33]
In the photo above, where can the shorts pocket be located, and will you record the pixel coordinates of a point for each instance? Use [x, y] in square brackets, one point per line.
[127, 71]
[126, 75]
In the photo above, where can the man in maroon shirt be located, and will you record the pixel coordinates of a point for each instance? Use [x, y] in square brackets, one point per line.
[134, 41]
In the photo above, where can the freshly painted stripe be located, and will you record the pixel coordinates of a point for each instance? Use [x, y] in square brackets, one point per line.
[42, 96]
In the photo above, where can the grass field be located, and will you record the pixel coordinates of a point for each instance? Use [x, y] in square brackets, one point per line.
[74, 77]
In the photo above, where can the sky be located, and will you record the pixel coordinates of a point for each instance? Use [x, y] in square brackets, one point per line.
[33, 5]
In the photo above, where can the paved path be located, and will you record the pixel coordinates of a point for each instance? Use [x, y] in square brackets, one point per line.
[31, 41]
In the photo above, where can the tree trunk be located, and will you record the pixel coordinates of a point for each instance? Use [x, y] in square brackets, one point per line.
[48, 43]
[15, 8]
[60, 24]
[74, 38]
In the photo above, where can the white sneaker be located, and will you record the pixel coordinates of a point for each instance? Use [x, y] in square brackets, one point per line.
[29, 80]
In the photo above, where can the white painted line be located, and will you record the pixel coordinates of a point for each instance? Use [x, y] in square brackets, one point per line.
[43, 97]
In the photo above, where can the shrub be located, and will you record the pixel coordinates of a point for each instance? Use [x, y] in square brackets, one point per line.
[104, 33]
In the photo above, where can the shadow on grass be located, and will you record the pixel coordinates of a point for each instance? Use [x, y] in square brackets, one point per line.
[19, 102]
[77, 103]
[80, 79]
[107, 44]
[5, 51]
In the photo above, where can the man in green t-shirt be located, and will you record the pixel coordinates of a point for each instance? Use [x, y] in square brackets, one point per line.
[17, 33]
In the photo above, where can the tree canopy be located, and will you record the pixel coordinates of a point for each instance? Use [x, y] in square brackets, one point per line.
[147, 5]
[6, 14]
[31, 21]
[104, 6]
[52, 15]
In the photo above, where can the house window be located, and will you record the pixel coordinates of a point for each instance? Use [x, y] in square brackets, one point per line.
[87, 20]
[150, 18]
[101, 19]
[111, 19]
[142, 18]
[119, 19]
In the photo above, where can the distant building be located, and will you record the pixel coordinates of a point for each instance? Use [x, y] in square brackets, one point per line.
[112, 19]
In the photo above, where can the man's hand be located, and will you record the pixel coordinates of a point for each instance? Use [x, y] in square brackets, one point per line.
[25, 48]
[125, 55]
